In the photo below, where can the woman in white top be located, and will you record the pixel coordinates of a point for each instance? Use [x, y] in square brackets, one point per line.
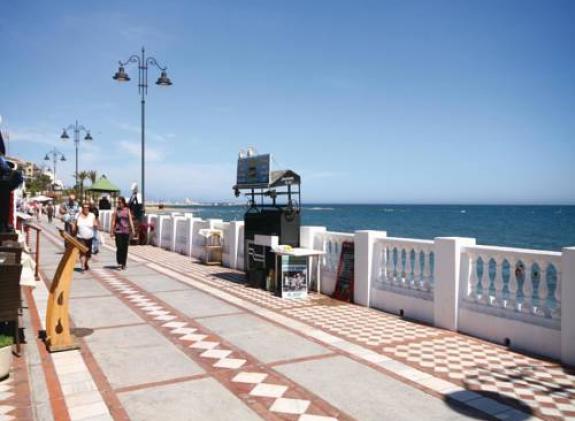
[85, 225]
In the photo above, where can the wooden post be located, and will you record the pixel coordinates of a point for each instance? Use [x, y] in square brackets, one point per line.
[37, 254]
[58, 336]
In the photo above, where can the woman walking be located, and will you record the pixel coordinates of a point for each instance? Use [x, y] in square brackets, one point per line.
[86, 224]
[122, 225]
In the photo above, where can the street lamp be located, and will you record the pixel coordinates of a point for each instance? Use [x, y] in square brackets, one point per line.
[121, 76]
[77, 130]
[55, 154]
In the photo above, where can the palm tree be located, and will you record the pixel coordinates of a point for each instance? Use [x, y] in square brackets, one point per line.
[93, 176]
[82, 175]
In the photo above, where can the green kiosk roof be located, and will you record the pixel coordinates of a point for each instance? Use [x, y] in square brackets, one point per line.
[103, 185]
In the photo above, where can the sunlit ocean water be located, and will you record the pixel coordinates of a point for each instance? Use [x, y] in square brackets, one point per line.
[535, 227]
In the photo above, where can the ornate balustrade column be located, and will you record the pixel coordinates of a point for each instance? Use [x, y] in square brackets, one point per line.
[542, 288]
[513, 286]
[408, 278]
[498, 282]
[485, 281]
[527, 289]
[417, 270]
[389, 265]
[427, 275]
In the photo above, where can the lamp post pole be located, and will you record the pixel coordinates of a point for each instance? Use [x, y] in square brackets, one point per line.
[55, 154]
[143, 63]
[77, 130]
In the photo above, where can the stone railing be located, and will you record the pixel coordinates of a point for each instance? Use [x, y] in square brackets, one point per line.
[401, 263]
[520, 283]
[522, 298]
[330, 242]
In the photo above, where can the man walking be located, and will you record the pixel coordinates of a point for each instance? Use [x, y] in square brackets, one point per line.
[69, 211]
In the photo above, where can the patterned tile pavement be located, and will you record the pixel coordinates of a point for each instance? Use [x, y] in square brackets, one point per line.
[14, 393]
[259, 386]
[545, 388]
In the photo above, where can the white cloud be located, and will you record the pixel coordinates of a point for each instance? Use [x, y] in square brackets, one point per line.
[150, 134]
[135, 149]
[167, 181]
[45, 137]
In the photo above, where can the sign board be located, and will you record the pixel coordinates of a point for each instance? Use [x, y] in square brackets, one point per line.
[294, 277]
[254, 171]
[345, 269]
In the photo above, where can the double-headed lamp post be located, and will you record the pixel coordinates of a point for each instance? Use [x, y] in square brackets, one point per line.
[54, 154]
[77, 130]
[121, 76]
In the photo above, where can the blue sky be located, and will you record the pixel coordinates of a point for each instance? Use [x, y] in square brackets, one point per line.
[371, 101]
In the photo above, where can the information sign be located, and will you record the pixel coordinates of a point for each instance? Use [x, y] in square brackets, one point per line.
[294, 276]
[345, 278]
[254, 171]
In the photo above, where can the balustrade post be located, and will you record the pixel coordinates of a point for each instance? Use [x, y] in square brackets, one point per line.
[408, 278]
[567, 276]
[190, 218]
[233, 240]
[363, 261]
[498, 282]
[447, 279]
[389, 273]
[527, 289]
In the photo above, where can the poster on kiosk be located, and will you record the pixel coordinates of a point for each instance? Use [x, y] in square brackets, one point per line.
[294, 276]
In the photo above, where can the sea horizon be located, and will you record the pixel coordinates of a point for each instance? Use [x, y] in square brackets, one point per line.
[542, 227]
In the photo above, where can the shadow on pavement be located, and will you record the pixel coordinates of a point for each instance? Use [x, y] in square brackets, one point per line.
[81, 332]
[463, 408]
[231, 277]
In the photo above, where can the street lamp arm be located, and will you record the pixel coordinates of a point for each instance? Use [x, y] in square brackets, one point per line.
[151, 61]
[133, 59]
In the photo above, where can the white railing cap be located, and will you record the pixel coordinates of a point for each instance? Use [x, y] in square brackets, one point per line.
[406, 240]
[515, 251]
[335, 234]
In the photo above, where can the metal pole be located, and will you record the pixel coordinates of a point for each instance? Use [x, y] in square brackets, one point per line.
[143, 153]
[143, 103]
[76, 142]
[54, 155]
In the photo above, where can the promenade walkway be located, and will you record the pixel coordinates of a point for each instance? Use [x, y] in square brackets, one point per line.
[172, 339]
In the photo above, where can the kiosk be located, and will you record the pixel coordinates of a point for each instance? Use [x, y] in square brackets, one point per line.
[273, 211]
[273, 259]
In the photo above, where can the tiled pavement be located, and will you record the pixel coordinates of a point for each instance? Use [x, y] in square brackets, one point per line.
[545, 388]
[14, 394]
[219, 350]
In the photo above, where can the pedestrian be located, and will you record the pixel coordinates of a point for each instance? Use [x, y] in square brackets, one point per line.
[104, 203]
[96, 240]
[50, 211]
[86, 224]
[121, 228]
[69, 211]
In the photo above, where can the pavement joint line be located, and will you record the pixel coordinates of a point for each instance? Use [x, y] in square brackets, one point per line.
[143, 386]
[223, 369]
[273, 316]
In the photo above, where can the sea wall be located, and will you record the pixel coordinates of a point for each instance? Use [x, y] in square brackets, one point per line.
[521, 298]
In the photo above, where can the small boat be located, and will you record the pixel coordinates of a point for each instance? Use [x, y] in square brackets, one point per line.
[160, 205]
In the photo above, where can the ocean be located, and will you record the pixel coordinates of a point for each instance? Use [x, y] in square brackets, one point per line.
[534, 227]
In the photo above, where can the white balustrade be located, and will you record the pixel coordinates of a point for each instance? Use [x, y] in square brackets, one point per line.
[403, 263]
[331, 244]
[513, 280]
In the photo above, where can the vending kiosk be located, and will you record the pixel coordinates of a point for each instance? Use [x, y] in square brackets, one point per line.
[272, 217]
